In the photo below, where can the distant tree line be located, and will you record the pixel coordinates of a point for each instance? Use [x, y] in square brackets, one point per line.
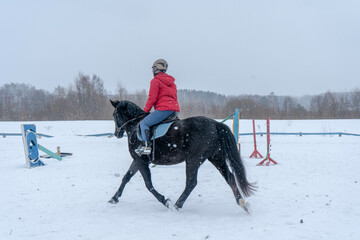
[86, 99]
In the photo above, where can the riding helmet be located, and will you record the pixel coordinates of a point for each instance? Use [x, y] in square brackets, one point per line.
[159, 65]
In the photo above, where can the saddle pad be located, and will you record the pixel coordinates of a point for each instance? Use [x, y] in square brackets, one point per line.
[159, 131]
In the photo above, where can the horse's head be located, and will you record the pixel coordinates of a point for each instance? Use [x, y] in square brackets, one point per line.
[124, 112]
[118, 118]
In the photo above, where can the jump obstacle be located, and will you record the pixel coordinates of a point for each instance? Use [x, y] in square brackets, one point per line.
[256, 153]
[31, 147]
[268, 160]
[235, 127]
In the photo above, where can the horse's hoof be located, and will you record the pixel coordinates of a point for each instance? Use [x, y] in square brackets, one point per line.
[113, 201]
[177, 208]
[244, 205]
[168, 203]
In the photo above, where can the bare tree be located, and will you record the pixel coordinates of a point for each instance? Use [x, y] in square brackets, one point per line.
[355, 102]
[273, 105]
[344, 107]
[330, 105]
[288, 108]
[88, 98]
[122, 93]
[316, 107]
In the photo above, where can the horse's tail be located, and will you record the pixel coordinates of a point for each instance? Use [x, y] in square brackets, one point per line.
[233, 159]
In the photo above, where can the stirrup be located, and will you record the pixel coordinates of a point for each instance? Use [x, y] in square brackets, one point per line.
[143, 150]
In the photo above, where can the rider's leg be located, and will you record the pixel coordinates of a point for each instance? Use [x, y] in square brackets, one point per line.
[154, 118]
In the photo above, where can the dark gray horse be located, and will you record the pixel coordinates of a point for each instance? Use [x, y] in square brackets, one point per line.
[193, 140]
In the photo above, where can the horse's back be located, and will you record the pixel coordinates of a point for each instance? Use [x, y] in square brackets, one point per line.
[193, 132]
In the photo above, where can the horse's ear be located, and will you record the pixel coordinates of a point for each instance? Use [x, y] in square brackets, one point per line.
[114, 103]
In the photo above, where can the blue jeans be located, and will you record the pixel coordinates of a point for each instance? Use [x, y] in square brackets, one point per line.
[152, 119]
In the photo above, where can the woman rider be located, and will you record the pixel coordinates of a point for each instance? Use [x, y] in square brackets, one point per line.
[163, 97]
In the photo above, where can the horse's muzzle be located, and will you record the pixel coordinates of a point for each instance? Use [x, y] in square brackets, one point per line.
[119, 134]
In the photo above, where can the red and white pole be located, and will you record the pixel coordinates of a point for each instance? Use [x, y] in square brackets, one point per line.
[256, 153]
[268, 159]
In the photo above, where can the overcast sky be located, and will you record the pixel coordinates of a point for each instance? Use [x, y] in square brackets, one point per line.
[289, 47]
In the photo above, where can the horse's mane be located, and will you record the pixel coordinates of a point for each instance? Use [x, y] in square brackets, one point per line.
[130, 108]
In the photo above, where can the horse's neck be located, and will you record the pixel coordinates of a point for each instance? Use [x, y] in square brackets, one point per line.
[137, 109]
[131, 128]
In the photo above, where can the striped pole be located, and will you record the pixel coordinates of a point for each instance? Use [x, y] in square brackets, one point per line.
[268, 158]
[256, 153]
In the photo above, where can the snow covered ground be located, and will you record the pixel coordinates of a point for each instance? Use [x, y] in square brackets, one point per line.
[313, 193]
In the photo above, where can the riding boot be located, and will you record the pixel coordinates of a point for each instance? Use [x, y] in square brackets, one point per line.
[145, 148]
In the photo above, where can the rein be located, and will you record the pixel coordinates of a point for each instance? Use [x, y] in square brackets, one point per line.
[122, 126]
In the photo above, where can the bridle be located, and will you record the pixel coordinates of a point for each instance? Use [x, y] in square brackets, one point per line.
[118, 129]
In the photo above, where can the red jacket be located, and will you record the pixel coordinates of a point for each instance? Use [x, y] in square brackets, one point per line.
[162, 94]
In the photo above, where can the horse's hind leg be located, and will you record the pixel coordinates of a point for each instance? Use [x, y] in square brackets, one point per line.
[191, 181]
[220, 164]
[131, 172]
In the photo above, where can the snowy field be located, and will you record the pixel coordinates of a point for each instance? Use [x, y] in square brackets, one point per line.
[313, 193]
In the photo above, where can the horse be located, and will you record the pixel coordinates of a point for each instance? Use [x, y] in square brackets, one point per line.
[193, 140]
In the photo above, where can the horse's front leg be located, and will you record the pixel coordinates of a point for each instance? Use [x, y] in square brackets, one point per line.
[131, 172]
[146, 174]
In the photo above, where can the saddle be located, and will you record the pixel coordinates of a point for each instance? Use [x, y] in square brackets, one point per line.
[160, 129]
